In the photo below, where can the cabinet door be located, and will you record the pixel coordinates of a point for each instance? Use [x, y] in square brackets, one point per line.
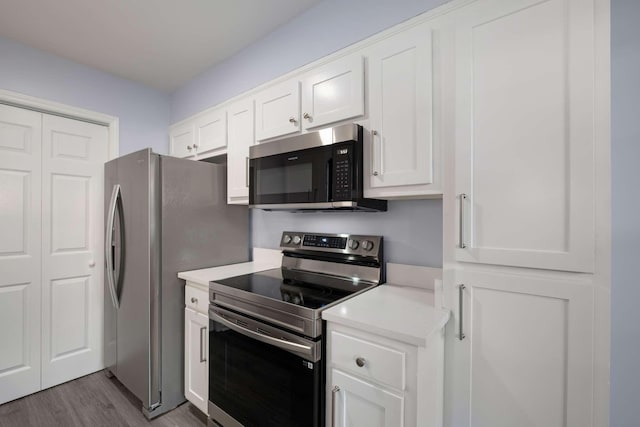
[400, 147]
[74, 153]
[241, 137]
[278, 110]
[20, 247]
[333, 92]
[359, 403]
[181, 140]
[525, 357]
[211, 133]
[524, 139]
[196, 351]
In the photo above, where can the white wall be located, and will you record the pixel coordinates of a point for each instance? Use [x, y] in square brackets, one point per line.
[143, 112]
[625, 230]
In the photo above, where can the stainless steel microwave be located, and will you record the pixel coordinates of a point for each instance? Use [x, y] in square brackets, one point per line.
[315, 171]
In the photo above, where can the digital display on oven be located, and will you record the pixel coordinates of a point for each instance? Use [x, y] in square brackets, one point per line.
[324, 241]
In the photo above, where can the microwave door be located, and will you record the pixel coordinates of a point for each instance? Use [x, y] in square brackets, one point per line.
[295, 177]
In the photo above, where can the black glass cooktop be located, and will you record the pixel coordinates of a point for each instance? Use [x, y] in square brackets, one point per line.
[270, 284]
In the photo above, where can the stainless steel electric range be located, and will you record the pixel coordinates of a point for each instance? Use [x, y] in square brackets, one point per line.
[266, 348]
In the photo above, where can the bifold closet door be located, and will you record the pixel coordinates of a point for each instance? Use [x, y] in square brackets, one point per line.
[73, 157]
[20, 218]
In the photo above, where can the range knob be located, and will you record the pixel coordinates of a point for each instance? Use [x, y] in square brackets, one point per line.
[353, 244]
[296, 240]
[286, 239]
[367, 245]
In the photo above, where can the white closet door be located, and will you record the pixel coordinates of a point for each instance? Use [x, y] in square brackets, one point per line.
[20, 192]
[73, 160]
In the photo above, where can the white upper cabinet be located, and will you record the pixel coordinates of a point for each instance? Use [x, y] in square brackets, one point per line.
[524, 133]
[211, 133]
[181, 140]
[333, 92]
[400, 144]
[278, 110]
[241, 137]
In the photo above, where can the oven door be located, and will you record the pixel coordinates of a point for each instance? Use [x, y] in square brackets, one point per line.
[302, 176]
[260, 375]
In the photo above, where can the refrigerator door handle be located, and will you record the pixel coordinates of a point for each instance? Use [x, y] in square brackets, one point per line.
[108, 245]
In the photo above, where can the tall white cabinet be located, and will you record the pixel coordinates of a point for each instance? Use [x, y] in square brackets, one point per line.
[51, 250]
[526, 245]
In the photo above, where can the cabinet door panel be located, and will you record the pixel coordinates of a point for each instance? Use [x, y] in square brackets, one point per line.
[20, 247]
[333, 92]
[524, 133]
[241, 137]
[211, 133]
[181, 141]
[525, 358]
[196, 375]
[278, 110]
[400, 93]
[359, 403]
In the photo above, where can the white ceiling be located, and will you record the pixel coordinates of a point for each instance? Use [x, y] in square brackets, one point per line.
[160, 43]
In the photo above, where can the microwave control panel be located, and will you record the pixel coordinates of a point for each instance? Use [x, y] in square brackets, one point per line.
[343, 173]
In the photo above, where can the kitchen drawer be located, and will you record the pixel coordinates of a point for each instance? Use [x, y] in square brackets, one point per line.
[382, 364]
[196, 299]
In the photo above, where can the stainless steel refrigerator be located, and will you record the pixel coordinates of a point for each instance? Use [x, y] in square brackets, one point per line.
[163, 215]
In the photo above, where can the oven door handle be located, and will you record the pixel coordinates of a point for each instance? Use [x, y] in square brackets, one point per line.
[284, 345]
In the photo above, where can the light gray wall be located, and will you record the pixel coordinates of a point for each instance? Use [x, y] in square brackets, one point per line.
[143, 112]
[625, 167]
[327, 27]
[412, 229]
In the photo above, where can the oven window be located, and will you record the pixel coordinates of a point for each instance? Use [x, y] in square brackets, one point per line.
[297, 178]
[261, 385]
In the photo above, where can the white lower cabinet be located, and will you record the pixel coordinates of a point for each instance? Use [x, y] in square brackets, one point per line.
[524, 353]
[360, 403]
[196, 347]
[376, 381]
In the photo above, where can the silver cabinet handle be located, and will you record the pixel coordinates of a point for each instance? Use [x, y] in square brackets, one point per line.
[306, 116]
[461, 289]
[461, 244]
[247, 174]
[374, 170]
[194, 300]
[202, 341]
[334, 391]
[189, 148]
[108, 244]
[195, 145]
[292, 120]
[360, 361]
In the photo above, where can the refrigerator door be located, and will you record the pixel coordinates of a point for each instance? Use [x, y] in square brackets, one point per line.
[199, 230]
[132, 305]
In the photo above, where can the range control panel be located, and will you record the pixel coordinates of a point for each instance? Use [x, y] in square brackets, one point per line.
[336, 243]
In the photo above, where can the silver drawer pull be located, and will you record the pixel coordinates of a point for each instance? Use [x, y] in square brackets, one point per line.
[360, 361]
[194, 300]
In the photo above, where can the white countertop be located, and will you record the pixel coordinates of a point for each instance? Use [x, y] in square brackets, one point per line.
[401, 313]
[264, 259]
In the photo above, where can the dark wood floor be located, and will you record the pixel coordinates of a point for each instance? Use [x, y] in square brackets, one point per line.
[94, 400]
